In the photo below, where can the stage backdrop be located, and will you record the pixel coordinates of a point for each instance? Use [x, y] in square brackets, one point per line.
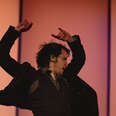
[88, 18]
[113, 59]
[9, 15]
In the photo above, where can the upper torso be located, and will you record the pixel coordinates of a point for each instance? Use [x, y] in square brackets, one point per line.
[47, 99]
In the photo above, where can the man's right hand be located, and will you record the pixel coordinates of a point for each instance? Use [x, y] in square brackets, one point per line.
[24, 26]
[64, 36]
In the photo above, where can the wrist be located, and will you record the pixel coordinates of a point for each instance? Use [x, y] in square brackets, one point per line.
[18, 29]
[72, 39]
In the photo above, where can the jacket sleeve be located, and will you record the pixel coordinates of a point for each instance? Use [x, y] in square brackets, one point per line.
[16, 92]
[11, 66]
[78, 58]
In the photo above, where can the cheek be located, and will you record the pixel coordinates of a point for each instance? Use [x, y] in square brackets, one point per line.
[60, 64]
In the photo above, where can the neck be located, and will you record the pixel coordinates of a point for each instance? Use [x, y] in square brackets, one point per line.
[53, 74]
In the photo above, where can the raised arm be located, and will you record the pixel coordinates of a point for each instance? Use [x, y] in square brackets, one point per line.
[78, 57]
[78, 54]
[6, 61]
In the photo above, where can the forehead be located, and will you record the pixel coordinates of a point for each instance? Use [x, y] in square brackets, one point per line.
[64, 53]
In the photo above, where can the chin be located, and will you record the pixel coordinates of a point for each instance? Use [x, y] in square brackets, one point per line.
[60, 73]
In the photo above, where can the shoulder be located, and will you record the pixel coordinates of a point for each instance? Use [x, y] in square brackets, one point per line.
[80, 85]
[86, 87]
[28, 67]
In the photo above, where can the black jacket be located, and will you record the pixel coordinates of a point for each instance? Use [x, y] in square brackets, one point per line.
[84, 98]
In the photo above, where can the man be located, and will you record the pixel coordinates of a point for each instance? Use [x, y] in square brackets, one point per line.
[54, 89]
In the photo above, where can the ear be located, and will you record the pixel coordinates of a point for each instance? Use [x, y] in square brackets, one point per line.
[52, 58]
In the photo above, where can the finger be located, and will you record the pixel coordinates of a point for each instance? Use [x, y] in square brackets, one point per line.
[62, 30]
[59, 35]
[55, 36]
[25, 21]
[28, 26]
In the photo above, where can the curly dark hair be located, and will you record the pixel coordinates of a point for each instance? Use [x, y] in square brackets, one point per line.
[46, 50]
